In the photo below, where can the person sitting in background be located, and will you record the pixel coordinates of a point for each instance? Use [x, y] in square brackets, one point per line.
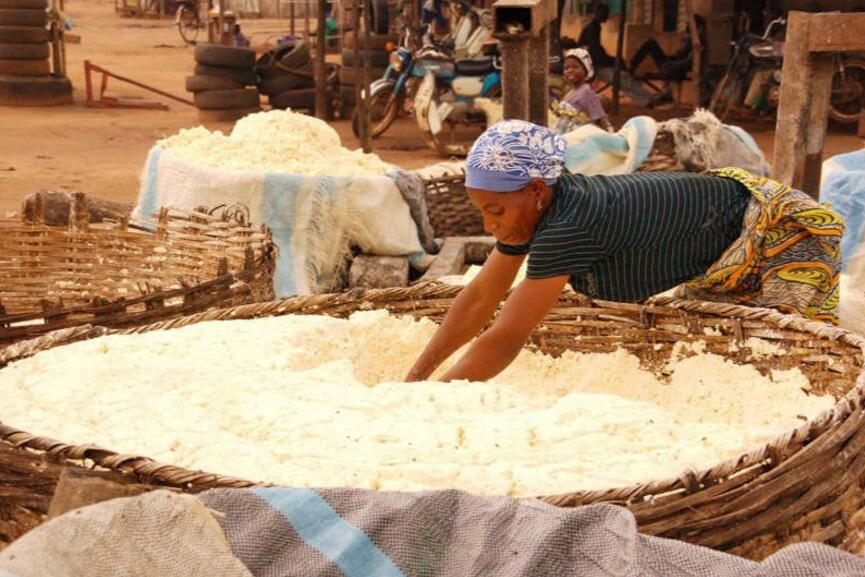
[671, 67]
[239, 38]
[583, 105]
[590, 38]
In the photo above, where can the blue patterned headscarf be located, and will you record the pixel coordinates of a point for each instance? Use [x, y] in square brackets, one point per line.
[512, 153]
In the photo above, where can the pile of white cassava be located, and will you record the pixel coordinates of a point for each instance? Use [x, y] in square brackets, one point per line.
[274, 141]
[318, 401]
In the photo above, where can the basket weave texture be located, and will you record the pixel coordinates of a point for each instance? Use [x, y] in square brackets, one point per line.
[804, 485]
[119, 275]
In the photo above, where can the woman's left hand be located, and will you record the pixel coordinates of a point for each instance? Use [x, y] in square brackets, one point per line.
[494, 350]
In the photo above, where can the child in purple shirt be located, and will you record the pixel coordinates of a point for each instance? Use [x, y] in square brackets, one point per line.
[584, 106]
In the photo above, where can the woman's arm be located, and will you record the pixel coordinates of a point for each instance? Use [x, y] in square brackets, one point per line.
[469, 313]
[497, 347]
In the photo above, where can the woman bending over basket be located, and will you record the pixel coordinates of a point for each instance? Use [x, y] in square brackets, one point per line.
[724, 236]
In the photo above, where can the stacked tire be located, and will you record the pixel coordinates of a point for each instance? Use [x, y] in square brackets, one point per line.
[285, 75]
[25, 66]
[351, 72]
[220, 85]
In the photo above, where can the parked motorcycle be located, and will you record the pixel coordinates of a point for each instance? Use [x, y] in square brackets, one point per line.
[753, 78]
[445, 98]
[396, 91]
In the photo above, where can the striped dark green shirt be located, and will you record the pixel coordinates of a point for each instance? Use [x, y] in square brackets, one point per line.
[626, 238]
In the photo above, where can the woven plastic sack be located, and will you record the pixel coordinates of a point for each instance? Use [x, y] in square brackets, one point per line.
[842, 185]
[157, 534]
[315, 219]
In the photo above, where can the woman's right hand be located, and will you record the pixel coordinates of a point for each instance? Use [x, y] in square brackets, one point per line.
[470, 312]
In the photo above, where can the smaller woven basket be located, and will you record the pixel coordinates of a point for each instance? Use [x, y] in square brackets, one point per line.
[122, 274]
[452, 214]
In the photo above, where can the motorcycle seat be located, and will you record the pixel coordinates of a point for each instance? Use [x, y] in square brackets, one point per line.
[475, 66]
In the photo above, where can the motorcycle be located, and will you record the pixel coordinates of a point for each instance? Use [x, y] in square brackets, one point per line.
[445, 98]
[753, 78]
[396, 90]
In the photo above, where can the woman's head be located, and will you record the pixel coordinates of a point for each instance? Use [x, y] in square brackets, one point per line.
[509, 174]
[578, 66]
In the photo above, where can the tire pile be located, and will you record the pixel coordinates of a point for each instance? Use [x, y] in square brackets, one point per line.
[25, 67]
[219, 85]
[351, 73]
[285, 75]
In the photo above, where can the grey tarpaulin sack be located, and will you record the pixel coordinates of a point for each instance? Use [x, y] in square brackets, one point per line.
[359, 533]
[279, 532]
[158, 534]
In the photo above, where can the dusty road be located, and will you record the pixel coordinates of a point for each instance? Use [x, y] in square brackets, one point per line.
[101, 151]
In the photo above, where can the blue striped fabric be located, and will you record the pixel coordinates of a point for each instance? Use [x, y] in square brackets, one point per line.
[626, 238]
[323, 529]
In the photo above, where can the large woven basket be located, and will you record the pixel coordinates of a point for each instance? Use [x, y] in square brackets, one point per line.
[451, 212]
[804, 485]
[120, 274]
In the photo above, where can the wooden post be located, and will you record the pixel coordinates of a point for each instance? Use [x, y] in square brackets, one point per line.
[620, 45]
[220, 22]
[539, 77]
[291, 17]
[54, 35]
[860, 131]
[79, 215]
[515, 77]
[697, 51]
[359, 89]
[321, 91]
[366, 139]
[803, 110]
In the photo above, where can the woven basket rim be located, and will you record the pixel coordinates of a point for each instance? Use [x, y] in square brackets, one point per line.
[772, 453]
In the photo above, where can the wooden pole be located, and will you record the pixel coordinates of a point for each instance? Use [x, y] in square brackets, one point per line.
[321, 90]
[620, 45]
[291, 17]
[306, 20]
[697, 52]
[803, 109]
[56, 34]
[221, 21]
[366, 140]
[515, 76]
[359, 102]
[62, 6]
[539, 77]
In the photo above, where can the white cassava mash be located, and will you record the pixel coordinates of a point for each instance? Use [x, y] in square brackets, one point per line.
[275, 141]
[316, 401]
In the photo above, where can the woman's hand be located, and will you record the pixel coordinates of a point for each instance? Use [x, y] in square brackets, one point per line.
[501, 343]
[469, 313]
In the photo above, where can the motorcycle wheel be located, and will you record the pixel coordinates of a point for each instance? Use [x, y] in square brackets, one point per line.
[455, 138]
[724, 96]
[848, 92]
[384, 106]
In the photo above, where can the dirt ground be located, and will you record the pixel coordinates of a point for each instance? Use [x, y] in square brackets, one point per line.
[101, 151]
